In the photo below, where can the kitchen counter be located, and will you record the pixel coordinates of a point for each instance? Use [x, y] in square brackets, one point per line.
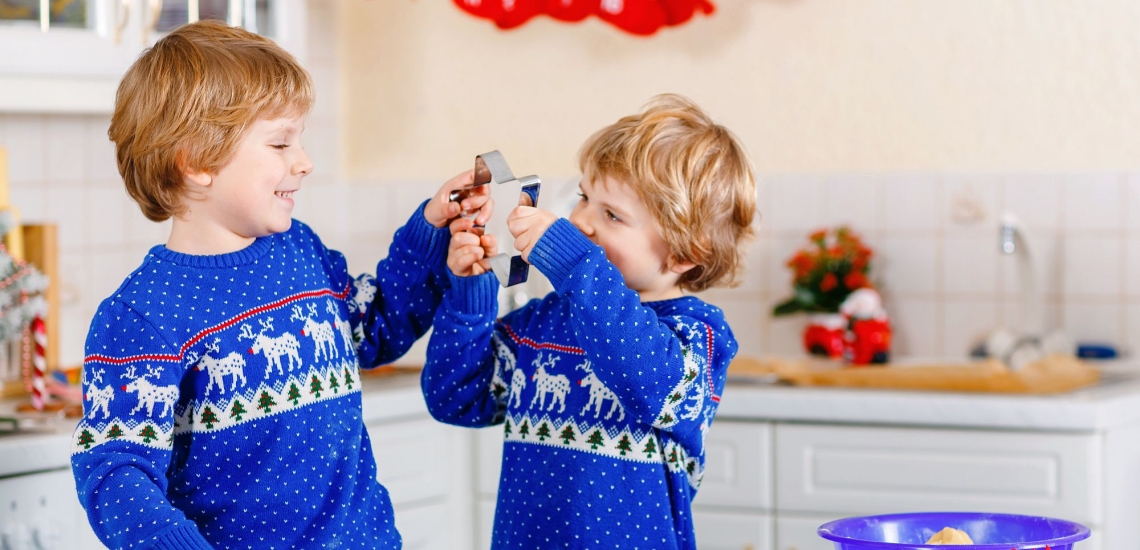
[1112, 402]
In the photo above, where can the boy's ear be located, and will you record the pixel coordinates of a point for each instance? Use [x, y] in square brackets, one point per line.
[680, 266]
[203, 179]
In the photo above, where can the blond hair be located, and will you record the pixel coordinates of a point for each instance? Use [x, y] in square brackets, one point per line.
[694, 177]
[186, 102]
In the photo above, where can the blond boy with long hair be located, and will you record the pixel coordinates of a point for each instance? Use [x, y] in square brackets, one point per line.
[607, 386]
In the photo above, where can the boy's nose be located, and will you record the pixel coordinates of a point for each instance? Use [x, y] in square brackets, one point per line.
[304, 164]
[579, 221]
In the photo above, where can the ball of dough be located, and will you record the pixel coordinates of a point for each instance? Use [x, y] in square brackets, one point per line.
[950, 535]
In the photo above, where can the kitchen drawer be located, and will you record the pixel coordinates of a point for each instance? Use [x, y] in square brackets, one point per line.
[732, 530]
[421, 528]
[852, 470]
[801, 533]
[42, 511]
[738, 466]
[484, 522]
[411, 458]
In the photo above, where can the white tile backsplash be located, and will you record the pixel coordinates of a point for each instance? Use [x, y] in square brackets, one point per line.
[23, 137]
[970, 265]
[1093, 202]
[1094, 322]
[856, 201]
[1093, 266]
[967, 322]
[912, 203]
[907, 265]
[971, 205]
[108, 208]
[66, 149]
[1132, 210]
[796, 204]
[1035, 200]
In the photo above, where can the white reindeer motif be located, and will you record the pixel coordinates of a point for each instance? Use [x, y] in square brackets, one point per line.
[518, 384]
[545, 383]
[698, 399]
[232, 364]
[149, 394]
[365, 293]
[343, 326]
[321, 333]
[100, 398]
[272, 348]
[599, 393]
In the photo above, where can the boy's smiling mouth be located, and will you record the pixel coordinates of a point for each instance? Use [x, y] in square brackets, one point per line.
[284, 194]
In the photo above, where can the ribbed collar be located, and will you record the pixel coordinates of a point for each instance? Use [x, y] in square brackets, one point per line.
[247, 255]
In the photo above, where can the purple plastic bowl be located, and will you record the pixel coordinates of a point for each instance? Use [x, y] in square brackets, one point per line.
[988, 531]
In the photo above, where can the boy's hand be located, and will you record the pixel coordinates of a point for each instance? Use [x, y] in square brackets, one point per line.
[469, 249]
[528, 224]
[441, 209]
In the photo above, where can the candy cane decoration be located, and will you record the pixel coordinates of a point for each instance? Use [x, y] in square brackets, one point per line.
[39, 364]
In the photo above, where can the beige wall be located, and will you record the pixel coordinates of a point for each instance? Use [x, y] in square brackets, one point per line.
[810, 85]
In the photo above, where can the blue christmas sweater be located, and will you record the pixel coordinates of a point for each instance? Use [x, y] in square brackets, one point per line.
[222, 394]
[605, 401]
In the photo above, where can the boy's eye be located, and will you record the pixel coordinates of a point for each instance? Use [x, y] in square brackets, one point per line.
[583, 197]
[612, 217]
[280, 145]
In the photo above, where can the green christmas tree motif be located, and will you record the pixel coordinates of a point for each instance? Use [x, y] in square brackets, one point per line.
[524, 429]
[624, 445]
[294, 392]
[690, 375]
[675, 397]
[334, 384]
[237, 410]
[116, 432]
[498, 388]
[691, 467]
[665, 419]
[673, 456]
[650, 447]
[315, 387]
[209, 417]
[86, 439]
[567, 434]
[596, 439]
[543, 431]
[266, 403]
[148, 434]
[348, 378]
[507, 428]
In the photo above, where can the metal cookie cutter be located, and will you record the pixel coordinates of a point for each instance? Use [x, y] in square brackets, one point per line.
[506, 193]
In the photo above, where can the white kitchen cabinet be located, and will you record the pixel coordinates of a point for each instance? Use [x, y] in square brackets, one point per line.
[40, 511]
[858, 470]
[77, 69]
[420, 462]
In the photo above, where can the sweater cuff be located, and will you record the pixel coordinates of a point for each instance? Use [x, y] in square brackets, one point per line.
[475, 294]
[182, 537]
[425, 240]
[559, 251]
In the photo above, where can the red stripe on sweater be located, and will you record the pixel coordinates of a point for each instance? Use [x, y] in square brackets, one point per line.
[268, 307]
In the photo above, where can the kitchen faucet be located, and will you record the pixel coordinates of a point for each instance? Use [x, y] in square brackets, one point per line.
[1008, 233]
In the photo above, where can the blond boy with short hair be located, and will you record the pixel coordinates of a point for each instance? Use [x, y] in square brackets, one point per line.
[223, 374]
[607, 386]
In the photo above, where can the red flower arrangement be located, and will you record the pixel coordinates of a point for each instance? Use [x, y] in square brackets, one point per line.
[825, 273]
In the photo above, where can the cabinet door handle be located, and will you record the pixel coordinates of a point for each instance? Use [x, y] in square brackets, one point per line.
[125, 9]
